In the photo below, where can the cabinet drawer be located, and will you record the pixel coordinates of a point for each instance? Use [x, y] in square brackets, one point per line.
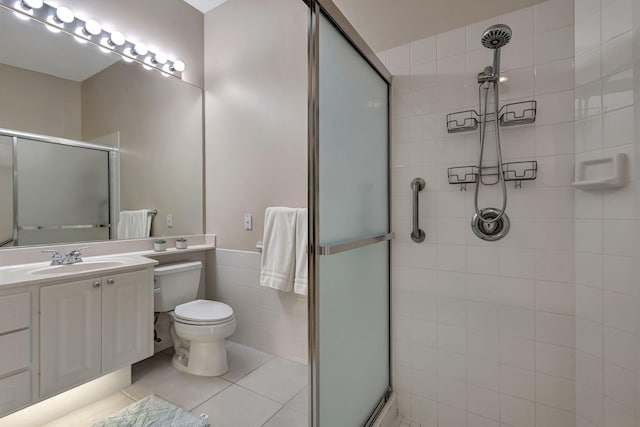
[15, 312]
[16, 351]
[15, 392]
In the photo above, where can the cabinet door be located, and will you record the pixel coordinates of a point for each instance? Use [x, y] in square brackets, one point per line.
[69, 335]
[127, 319]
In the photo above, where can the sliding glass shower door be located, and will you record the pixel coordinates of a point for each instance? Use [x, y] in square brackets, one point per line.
[351, 225]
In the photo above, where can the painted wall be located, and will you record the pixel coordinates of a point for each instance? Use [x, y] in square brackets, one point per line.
[483, 333]
[256, 115]
[606, 264]
[170, 25]
[55, 102]
[159, 121]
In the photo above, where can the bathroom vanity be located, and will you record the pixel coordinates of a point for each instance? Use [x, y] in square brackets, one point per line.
[92, 318]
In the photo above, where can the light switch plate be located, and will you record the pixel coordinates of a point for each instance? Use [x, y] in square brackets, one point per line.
[170, 220]
[248, 222]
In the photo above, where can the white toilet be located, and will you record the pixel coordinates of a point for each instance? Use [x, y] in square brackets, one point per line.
[199, 327]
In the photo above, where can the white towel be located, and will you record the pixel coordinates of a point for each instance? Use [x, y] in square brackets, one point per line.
[300, 283]
[278, 249]
[134, 224]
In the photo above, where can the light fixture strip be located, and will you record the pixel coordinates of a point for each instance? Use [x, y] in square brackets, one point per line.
[77, 29]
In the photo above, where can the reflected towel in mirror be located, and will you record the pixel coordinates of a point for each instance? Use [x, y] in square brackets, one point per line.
[134, 224]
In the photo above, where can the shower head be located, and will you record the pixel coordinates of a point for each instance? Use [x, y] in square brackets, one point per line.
[496, 36]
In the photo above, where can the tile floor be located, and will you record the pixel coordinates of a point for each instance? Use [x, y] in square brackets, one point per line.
[259, 390]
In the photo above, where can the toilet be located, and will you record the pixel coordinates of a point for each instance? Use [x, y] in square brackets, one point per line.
[199, 327]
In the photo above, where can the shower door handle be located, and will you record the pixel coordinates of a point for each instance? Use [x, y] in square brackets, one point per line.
[417, 235]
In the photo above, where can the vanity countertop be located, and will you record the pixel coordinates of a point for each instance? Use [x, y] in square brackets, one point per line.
[42, 272]
[36, 273]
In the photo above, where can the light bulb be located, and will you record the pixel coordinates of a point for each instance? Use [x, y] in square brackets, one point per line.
[21, 8]
[80, 34]
[117, 39]
[32, 4]
[54, 25]
[64, 15]
[178, 66]
[26, 6]
[503, 79]
[159, 58]
[140, 49]
[92, 28]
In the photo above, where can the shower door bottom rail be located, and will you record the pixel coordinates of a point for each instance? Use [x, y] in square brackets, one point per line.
[355, 244]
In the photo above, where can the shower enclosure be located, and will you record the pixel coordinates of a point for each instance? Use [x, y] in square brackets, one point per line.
[349, 302]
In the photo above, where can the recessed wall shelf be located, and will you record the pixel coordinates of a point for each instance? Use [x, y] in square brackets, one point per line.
[516, 113]
[513, 171]
[610, 172]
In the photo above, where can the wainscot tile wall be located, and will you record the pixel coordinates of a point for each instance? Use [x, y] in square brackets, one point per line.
[268, 320]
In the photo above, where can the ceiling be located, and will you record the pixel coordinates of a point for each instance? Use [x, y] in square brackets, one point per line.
[29, 45]
[205, 6]
[389, 23]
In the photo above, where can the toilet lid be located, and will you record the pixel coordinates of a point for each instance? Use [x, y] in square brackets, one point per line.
[204, 311]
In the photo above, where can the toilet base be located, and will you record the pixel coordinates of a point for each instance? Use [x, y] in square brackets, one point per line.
[207, 359]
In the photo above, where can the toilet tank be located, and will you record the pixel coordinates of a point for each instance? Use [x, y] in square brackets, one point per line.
[175, 284]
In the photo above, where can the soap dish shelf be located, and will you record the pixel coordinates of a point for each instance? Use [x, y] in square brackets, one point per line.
[513, 114]
[489, 175]
[616, 179]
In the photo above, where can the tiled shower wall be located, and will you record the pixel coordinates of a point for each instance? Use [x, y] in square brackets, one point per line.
[484, 333]
[271, 321]
[606, 267]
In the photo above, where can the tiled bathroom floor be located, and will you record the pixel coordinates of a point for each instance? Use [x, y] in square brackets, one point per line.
[259, 390]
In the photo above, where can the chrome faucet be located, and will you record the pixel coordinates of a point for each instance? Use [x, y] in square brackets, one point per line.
[72, 257]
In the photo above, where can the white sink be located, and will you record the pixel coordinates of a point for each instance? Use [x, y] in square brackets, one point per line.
[76, 268]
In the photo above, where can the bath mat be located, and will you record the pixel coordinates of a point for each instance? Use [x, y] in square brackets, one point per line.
[152, 412]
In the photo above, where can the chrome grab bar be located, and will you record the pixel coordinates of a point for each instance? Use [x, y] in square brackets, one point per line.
[417, 235]
[343, 247]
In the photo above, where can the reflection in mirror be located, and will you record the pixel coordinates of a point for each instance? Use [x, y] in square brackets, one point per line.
[147, 128]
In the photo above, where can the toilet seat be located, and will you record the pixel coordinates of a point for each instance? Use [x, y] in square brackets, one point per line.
[203, 313]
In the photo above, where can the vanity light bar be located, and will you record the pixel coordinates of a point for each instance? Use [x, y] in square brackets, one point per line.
[62, 19]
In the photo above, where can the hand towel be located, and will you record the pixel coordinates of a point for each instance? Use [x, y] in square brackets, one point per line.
[134, 224]
[300, 283]
[278, 249]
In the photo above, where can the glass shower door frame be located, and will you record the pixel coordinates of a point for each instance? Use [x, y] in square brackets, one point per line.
[315, 250]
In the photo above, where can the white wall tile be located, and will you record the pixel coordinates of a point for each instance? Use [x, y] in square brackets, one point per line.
[452, 42]
[556, 329]
[588, 66]
[617, 54]
[520, 20]
[556, 360]
[555, 392]
[553, 14]
[554, 76]
[517, 412]
[554, 45]
[423, 50]
[616, 18]
[588, 32]
[517, 382]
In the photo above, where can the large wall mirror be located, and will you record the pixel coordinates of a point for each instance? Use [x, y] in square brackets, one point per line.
[90, 142]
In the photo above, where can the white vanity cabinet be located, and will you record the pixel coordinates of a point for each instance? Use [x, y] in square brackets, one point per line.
[92, 327]
[15, 351]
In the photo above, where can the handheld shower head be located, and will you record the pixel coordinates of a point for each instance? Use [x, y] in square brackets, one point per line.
[496, 36]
